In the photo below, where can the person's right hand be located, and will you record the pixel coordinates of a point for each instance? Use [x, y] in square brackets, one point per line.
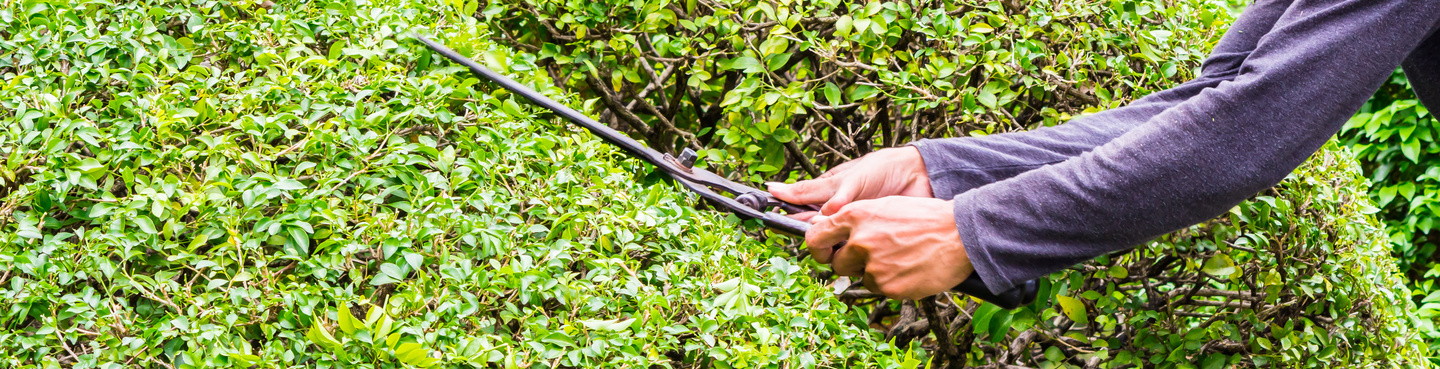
[890, 172]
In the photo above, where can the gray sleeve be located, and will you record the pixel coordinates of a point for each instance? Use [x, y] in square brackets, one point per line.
[1195, 160]
[956, 165]
[1422, 68]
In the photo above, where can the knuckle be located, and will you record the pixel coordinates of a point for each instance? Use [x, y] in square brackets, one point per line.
[862, 241]
[851, 213]
[892, 289]
[820, 254]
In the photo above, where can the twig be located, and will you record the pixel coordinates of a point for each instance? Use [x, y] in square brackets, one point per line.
[291, 148]
[800, 157]
[612, 102]
[942, 335]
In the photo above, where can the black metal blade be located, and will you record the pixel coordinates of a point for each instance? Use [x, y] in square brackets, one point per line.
[699, 180]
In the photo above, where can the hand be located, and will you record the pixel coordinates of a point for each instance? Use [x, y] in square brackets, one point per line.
[904, 247]
[890, 172]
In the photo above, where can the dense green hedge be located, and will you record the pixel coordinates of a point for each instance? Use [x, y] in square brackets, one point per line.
[790, 86]
[785, 87]
[239, 181]
[207, 183]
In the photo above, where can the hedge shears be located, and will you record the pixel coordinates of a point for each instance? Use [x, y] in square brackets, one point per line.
[748, 202]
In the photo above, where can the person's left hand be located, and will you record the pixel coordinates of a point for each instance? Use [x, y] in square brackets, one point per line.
[904, 247]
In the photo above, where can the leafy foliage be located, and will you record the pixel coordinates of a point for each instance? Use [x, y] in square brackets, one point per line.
[1394, 138]
[773, 88]
[787, 85]
[205, 183]
[198, 184]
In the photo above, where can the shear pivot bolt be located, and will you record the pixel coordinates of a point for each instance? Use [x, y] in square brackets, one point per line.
[687, 157]
[752, 200]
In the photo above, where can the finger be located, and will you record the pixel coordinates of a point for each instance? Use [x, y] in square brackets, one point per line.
[838, 169]
[815, 191]
[870, 283]
[804, 216]
[842, 196]
[850, 260]
[823, 236]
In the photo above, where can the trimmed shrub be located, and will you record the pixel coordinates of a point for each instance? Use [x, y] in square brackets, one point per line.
[789, 86]
[205, 183]
[1393, 138]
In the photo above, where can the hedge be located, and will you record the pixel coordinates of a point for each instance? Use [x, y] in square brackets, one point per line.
[256, 184]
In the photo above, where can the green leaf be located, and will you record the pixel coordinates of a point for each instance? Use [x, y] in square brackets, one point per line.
[495, 59]
[392, 340]
[337, 50]
[612, 325]
[300, 238]
[288, 185]
[832, 94]
[90, 166]
[384, 326]
[981, 321]
[1147, 52]
[1073, 308]
[1119, 272]
[321, 337]
[774, 62]
[145, 224]
[389, 273]
[1386, 195]
[347, 322]
[1213, 361]
[862, 92]
[843, 25]
[1000, 324]
[732, 97]
[1411, 149]
[1219, 265]
[511, 108]
[405, 349]
[743, 63]
[987, 98]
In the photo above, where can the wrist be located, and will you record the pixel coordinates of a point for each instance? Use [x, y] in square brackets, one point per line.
[919, 177]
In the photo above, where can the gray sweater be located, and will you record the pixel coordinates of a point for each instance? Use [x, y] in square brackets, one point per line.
[1278, 85]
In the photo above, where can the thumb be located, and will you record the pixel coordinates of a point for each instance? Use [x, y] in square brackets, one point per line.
[815, 191]
[842, 196]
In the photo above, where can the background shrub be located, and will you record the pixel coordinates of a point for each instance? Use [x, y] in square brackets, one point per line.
[1393, 137]
[775, 88]
[207, 183]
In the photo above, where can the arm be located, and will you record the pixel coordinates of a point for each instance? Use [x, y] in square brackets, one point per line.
[1194, 161]
[956, 165]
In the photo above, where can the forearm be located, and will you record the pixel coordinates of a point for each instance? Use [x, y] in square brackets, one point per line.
[1196, 160]
[957, 165]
